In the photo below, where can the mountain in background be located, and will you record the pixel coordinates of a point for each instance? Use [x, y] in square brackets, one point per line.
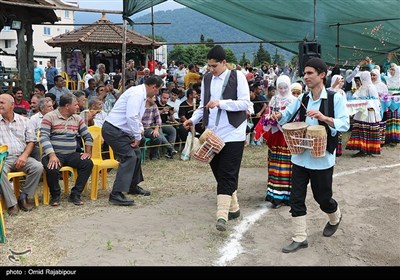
[186, 26]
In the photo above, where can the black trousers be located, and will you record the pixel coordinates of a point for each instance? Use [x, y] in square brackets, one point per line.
[226, 165]
[129, 172]
[84, 167]
[321, 186]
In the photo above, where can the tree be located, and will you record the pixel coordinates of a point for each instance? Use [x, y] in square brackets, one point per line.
[278, 58]
[230, 56]
[261, 56]
[196, 54]
[243, 60]
[294, 61]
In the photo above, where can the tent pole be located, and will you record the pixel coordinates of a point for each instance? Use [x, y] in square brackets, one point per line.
[152, 34]
[124, 27]
[337, 43]
[315, 20]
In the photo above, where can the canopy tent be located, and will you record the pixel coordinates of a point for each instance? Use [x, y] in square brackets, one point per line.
[347, 30]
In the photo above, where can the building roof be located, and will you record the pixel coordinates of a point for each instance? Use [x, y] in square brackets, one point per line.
[19, 9]
[101, 33]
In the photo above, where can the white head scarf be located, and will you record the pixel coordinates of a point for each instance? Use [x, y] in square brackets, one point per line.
[282, 100]
[394, 81]
[380, 86]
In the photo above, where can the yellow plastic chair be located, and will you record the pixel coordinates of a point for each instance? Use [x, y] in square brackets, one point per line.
[3, 156]
[65, 171]
[69, 83]
[99, 165]
[15, 177]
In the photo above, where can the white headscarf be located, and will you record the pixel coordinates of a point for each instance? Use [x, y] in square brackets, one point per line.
[380, 86]
[394, 81]
[282, 99]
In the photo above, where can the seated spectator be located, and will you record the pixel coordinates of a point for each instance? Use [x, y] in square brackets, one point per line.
[58, 139]
[151, 121]
[18, 134]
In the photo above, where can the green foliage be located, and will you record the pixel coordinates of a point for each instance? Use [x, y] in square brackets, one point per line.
[196, 54]
[294, 61]
[262, 56]
[278, 58]
[243, 60]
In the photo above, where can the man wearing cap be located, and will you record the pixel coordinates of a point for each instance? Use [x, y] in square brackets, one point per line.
[225, 98]
[325, 108]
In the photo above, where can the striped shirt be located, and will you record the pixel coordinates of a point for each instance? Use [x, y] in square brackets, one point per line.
[16, 134]
[58, 134]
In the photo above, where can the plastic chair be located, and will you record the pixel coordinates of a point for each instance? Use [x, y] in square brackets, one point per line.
[3, 156]
[65, 171]
[143, 149]
[70, 84]
[99, 164]
[15, 177]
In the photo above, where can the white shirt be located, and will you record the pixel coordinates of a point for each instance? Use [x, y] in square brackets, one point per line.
[175, 104]
[128, 111]
[225, 130]
[36, 120]
[87, 78]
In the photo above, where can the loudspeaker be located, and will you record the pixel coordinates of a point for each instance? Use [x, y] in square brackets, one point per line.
[307, 50]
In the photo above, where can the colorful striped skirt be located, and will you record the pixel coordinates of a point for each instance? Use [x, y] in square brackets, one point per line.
[365, 137]
[392, 132]
[279, 175]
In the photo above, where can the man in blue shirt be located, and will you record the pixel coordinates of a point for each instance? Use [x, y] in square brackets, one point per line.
[307, 168]
[38, 73]
[51, 72]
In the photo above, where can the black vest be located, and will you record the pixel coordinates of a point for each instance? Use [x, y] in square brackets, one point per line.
[327, 108]
[230, 92]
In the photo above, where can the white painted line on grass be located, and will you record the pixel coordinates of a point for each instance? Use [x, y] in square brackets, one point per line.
[364, 169]
[233, 247]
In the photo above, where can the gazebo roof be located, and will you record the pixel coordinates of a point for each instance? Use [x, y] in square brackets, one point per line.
[101, 33]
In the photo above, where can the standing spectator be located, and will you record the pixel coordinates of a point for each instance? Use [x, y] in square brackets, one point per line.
[58, 139]
[306, 168]
[18, 134]
[130, 71]
[51, 72]
[179, 75]
[146, 74]
[38, 73]
[123, 131]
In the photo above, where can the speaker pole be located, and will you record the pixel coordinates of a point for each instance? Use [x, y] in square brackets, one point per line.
[315, 20]
[337, 43]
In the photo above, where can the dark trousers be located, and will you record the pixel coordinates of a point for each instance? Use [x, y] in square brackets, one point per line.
[226, 166]
[84, 167]
[321, 186]
[129, 173]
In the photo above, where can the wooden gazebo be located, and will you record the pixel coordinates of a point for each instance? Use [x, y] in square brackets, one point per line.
[101, 37]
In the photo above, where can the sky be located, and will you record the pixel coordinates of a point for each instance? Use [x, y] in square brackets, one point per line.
[117, 5]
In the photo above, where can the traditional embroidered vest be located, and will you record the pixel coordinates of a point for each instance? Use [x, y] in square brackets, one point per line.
[230, 92]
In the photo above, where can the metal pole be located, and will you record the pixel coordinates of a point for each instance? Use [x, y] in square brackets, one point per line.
[124, 27]
[337, 43]
[152, 36]
[315, 20]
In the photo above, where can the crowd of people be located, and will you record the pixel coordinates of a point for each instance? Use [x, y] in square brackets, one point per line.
[158, 108]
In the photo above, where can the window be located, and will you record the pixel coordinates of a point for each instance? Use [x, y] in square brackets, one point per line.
[66, 30]
[66, 14]
[46, 30]
[6, 28]
[7, 44]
